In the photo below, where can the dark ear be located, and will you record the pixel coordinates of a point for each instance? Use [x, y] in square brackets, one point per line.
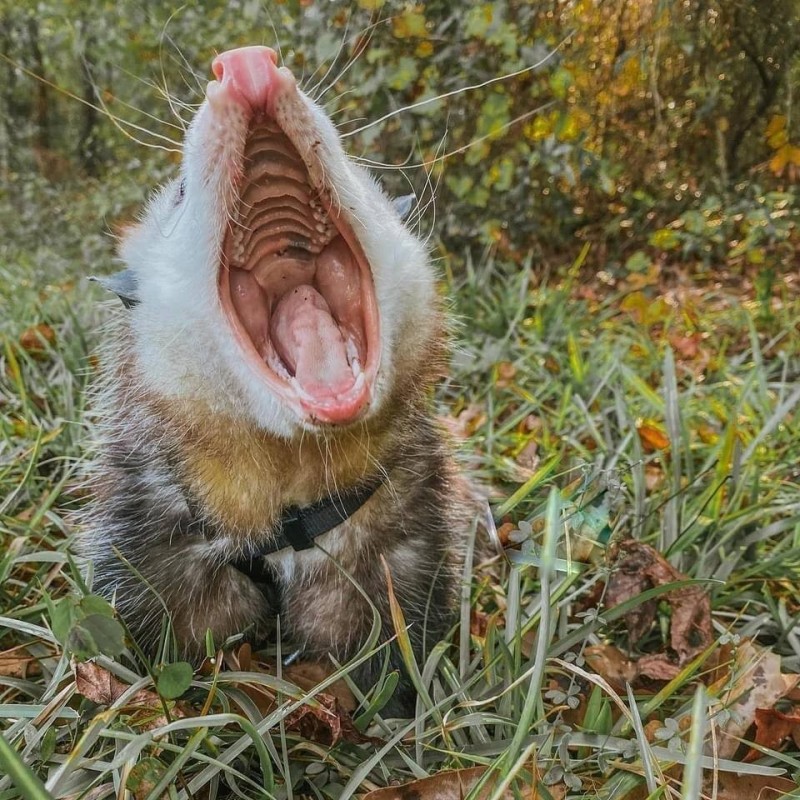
[123, 284]
[403, 205]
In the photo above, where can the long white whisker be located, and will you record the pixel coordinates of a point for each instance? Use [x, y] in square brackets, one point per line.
[460, 90]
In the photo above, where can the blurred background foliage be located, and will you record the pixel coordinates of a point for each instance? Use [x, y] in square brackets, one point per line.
[661, 132]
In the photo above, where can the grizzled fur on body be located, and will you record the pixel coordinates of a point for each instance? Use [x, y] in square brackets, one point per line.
[197, 458]
[181, 491]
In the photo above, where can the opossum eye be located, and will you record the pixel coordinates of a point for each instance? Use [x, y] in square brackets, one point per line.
[181, 193]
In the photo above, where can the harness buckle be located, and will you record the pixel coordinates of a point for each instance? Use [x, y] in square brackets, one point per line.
[294, 529]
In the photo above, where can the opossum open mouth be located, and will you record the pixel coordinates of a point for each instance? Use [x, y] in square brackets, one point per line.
[294, 281]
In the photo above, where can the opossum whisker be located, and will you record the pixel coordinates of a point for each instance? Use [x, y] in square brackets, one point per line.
[369, 31]
[181, 126]
[98, 94]
[311, 91]
[430, 203]
[166, 93]
[521, 118]
[338, 109]
[199, 78]
[414, 148]
[276, 38]
[118, 122]
[461, 90]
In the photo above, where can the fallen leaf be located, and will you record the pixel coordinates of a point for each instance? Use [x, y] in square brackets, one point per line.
[612, 664]
[652, 436]
[98, 684]
[528, 457]
[36, 339]
[324, 720]
[17, 663]
[658, 667]
[637, 567]
[772, 729]
[146, 707]
[449, 785]
[734, 786]
[629, 580]
[653, 477]
[505, 374]
[478, 623]
[308, 674]
[504, 531]
[755, 682]
[686, 347]
[467, 422]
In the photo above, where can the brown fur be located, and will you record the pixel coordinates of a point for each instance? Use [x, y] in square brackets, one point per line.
[181, 491]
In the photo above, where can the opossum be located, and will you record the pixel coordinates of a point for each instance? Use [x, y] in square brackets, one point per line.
[267, 444]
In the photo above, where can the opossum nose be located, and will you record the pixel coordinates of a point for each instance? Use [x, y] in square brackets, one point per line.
[249, 74]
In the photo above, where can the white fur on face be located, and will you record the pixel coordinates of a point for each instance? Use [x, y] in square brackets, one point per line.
[184, 343]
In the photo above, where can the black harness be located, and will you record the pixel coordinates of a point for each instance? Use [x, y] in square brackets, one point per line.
[299, 526]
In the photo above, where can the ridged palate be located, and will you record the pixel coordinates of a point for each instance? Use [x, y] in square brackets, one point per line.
[278, 208]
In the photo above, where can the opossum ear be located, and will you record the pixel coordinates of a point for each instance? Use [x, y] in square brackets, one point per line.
[403, 205]
[123, 284]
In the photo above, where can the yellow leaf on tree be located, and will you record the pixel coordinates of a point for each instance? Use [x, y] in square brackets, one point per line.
[777, 123]
[788, 154]
[778, 139]
[410, 24]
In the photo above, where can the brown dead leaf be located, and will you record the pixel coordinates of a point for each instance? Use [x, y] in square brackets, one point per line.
[653, 477]
[308, 674]
[755, 682]
[323, 720]
[532, 423]
[772, 729]
[628, 579]
[147, 708]
[467, 422]
[652, 436]
[478, 623]
[18, 663]
[504, 531]
[638, 567]
[732, 786]
[612, 664]
[36, 339]
[450, 785]
[686, 347]
[98, 684]
[528, 457]
[505, 374]
[651, 727]
[658, 667]
[326, 718]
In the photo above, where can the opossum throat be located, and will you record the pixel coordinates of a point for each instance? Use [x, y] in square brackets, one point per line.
[295, 283]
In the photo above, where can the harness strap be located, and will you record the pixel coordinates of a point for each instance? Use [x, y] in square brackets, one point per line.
[299, 526]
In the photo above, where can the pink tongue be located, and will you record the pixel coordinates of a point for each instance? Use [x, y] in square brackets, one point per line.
[310, 343]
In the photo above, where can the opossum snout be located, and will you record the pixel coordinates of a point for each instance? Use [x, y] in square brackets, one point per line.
[249, 75]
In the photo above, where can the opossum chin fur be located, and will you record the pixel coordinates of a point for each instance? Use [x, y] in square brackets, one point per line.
[298, 324]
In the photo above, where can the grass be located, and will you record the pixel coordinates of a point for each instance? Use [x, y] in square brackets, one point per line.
[593, 411]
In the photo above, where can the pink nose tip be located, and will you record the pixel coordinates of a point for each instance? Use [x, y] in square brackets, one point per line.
[249, 73]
